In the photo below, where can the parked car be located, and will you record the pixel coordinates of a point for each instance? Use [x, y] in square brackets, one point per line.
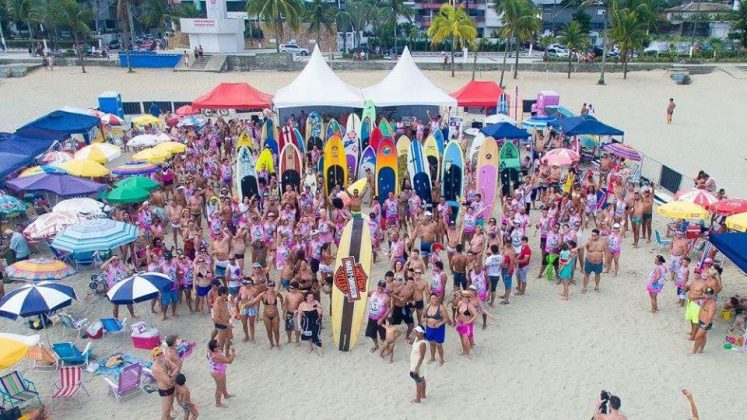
[294, 49]
[557, 52]
[114, 44]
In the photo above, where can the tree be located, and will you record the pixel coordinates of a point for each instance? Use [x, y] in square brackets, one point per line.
[48, 13]
[527, 27]
[583, 19]
[125, 18]
[574, 39]
[358, 14]
[520, 22]
[739, 21]
[273, 12]
[161, 14]
[21, 10]
[628, 31]
[454, 24]
[399, 9]
[342, 22]
[76, 17]
[319, 15]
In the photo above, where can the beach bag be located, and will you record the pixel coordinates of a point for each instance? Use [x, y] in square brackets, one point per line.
[95, 331]
[549, 270]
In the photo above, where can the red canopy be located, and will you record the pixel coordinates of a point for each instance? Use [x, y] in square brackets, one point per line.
[476, 93]
[233, 96]
[186, 110]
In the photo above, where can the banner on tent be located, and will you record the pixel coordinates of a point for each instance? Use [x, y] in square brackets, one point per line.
[455, 126]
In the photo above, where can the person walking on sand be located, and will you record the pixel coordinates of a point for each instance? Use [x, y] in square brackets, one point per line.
[218, 366]
[670, 110]
[417, 367]
[705, 320]
[164, 373]
[595, 250]
[656, 282]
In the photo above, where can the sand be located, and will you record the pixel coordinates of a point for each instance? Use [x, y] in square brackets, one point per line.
[542, 358]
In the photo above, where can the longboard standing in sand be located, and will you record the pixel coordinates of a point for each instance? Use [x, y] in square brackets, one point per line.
[430, 148]
[368, 161]
[246, 174]
[244, 140]
[510, 163]
[365, 133]
[353, 123]
[375, 139]
[439, 136]
[403, 151]
[333, 129]
[487, 175]
[314, 128]
[420, 177]
[350, 283]
[386, 170]
[352, 151]
[452, 177]
[474, 149]
[298, 141]
[386, 128]
[369, 111]
[285, 137]
[265, 161]
[291, 167]
[269, 136]
[335, 165]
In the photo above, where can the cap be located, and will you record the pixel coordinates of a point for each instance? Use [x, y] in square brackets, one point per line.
[428, 213]
[381, 283]
[419, 329]
[708, 261]
[146, 202]
[616, 226]
[472, 287]
[157, 351]
[256, 265]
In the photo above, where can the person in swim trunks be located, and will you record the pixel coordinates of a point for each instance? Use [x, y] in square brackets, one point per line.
[595, 248]
[705, 320]
[695, 297]
[184, 398]
[164, 373]
[436, 317]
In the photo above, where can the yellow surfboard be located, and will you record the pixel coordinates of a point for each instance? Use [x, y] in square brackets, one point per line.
[357, 185]
[350, 283]
[264, 161]
[430, 148]
[244, 140]
[403, 151]
[335, 164]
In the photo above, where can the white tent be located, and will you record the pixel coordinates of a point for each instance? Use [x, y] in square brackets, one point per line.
[407, 85]
[318, 85]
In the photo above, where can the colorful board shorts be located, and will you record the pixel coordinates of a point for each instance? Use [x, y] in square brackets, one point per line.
[692, 312]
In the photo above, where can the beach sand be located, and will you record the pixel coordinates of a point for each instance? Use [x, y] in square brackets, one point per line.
[542, 358]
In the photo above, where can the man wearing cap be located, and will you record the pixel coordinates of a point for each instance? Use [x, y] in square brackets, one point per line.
[648, 212]
[195, 205]
[379, 308]
[677, 249]
[164, 373]
[427, 229]
[221, 250]
[417, 367]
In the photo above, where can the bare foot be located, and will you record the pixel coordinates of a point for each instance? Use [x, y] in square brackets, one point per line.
[220, 405]
[245, 339]
[691, 353]
[228, 396]
[431, 361]
[441, 363]
[415, 401]
[373, 349]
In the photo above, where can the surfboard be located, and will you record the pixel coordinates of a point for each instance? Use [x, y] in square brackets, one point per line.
[365, 132]
[430, 148]
[314, 132]
[291, 167]
[375, 138]
[269, 135]
[265, 161]
[335, 165]
[368, 161]
[386, 128]
[487, 174]
[420, 178]
[246, 174]
[386, 170]
[452, 176]
[298, 141]
[333, 129]
[244, 140]
[403, 151]
[369, 110]
[357, 185]
[439, 136]
[352, 151]
[475, 147]
[353, 124]
[350, 283]
[272, 144]
[285, 137]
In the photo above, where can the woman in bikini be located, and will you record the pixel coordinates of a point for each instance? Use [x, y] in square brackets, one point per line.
[270, 313]
[218, 366]
[466, 313]
[201, 284]
[436, 317]
[247, 306]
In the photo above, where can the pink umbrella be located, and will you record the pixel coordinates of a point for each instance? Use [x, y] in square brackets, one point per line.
[697, 196]
[111, 119]
[729, 207]
[560, 157]
[50, 224]
[186, 110]
[57, 157]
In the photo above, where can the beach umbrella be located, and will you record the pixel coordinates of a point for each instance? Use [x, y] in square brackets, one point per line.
[48, 225]
[138, 288]
[38, 269]
[56, 157]
[700, 197]
[82, 206]
[186, 110]
[498, 118]
[127, 195]
[95, 235]
[60, 184]
[193, 121]
[737, 222]
[623, 150]
[44, 169]
[145, 140]
[13, 348]
[36, 299]
[100, 152]
[151, 155]
[729, 206]
[85, 167]
[682, 210]
[560, 157]
[172, 147]
[135, 168]
[146, 119]
[505, 130]
[141, 182]
[538, 122]
[11, 205]
[111, 119]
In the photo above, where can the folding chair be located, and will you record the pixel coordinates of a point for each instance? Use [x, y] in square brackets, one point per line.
[115, 326]
[69, 384]
[16, 390]
[128, 383]
[42, 358]
[71, 323]
[69, 354]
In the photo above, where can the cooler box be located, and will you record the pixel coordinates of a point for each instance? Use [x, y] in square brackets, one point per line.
[111, 102]
[144, 337]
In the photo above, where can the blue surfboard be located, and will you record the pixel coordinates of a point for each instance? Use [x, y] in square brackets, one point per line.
[365, 133]
[452, 176]
[271, 144]
[440, 143]
[298, 140]
[419, 172]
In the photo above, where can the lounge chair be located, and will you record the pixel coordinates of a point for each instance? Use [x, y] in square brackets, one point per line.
[69, 384]
[69, 354]
[128, 384]
[71, 323]
[42, 358]
[663, 243]
[114, 326]
[16, 390]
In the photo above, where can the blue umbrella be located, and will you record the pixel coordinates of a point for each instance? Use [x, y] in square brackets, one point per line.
[11, 205]
[36, 299]
[95, 235]
[139, 288]
[505, 131]
[60, 184]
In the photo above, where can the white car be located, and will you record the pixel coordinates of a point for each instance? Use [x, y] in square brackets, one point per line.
[294, 49]
[557, 52]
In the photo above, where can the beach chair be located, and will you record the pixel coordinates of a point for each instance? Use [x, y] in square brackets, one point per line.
[16, 390]
[70, 323]
[69, 384]
[128, 384]
[42, 358]
[69, 354]
[661, 241]
[114, 326]
[65, 257]
[83, 258]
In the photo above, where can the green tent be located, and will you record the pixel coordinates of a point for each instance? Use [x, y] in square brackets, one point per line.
[127, 195]
[140, 182]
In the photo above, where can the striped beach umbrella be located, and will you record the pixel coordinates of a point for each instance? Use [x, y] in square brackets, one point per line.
[623, 150]
[560, 157]
[729, 206]
[139, 288]
[141, 182]
[135, 168]
[700, 197]
[682, 210]
[36, 299]
[503, 104]
[82, 206]
[38, 269]
[43, 169]
[50, 224]
[56, 157]
[11, 205]
[111, 119]
[95, 235]
[13, 348]
[100, 152]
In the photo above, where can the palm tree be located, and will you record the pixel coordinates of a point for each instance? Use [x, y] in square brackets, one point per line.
[46, 12]
[399, 9]
[76, 17]
[21, 10]
[124, 15]
[319, 15]
[452, 23]
[575, 39]
[545, 42]
[160, 14]
[739, 22]
[528, 26]
[343, 22]
[273, 12]
[358, 15]
[628, 31]
[520, 22]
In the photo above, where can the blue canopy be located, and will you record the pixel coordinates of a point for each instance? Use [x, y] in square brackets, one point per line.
[733, 245]
[17, 152]
[505, 130]
[587, 125]
[62, 122]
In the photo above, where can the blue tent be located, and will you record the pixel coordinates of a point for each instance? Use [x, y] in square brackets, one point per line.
[733, 245]
[505, 130]
[62, 123]
[17, 152]
[586, 125]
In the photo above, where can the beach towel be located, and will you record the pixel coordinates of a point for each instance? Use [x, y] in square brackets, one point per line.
[114, 372]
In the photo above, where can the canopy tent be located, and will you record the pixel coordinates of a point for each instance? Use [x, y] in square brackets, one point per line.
[538, 122]
[407, 85]
[62, 123]
[233, 96]
[478, 94]
[586, 124]
[318, 85]
[733, 245]
[505, 130]
[17, 152]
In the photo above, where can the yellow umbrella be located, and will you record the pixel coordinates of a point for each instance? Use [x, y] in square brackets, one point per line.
[13, 348]
[737, 222]
[682, 210]
[151, 155]
[85, 168]
[172, 147]
[100, 152]
[146, 119]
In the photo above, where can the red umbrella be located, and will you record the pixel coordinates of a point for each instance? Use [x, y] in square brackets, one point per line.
[697, 196]
[560, 157]
[729, 206]
[186, 110]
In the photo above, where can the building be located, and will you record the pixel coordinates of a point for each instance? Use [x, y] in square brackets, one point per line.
[709, 19]
[482, 13]
[556, 14]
